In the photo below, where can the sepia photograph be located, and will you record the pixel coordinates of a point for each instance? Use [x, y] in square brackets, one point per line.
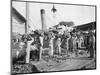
[52, 37]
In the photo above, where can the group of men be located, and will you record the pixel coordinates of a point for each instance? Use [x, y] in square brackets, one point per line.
[71, 42]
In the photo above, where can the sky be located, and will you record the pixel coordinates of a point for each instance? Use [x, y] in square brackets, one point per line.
[78, 14]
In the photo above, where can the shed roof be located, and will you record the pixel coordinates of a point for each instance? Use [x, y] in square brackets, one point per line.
[18, 16]
[85, 27]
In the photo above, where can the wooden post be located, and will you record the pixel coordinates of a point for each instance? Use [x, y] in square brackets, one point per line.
[28, 43]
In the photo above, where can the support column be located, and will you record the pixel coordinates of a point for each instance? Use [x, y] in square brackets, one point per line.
[28, 43]
[28, 52]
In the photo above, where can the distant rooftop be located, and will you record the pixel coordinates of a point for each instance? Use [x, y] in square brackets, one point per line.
[88, 26]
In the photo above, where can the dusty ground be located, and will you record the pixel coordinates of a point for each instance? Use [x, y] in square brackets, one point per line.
[57, 63]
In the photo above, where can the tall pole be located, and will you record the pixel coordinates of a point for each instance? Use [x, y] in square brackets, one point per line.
[27, 31]
[43, 21]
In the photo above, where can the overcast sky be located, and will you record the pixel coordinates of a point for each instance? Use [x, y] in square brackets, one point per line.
[78, 14]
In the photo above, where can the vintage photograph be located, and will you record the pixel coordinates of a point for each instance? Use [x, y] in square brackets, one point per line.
[52, 37]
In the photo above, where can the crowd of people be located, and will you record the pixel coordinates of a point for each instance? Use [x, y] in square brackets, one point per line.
[71, 42]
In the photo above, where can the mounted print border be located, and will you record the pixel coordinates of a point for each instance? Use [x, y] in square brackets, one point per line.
[52, 37]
